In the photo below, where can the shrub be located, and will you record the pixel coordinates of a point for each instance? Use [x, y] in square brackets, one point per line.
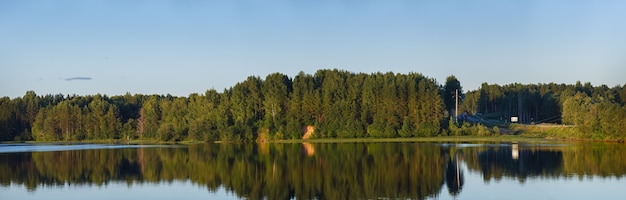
[496, 131]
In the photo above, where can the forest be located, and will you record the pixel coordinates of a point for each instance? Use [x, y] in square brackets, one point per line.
[336, 103]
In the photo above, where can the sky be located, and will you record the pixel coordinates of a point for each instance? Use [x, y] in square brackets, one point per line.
[112, 47]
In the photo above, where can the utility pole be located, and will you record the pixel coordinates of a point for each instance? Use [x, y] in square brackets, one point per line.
[456, 107]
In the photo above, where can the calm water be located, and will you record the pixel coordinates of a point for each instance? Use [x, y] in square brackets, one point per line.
[315, 171]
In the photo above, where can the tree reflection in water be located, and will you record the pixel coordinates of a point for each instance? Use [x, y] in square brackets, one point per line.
[254, 171]
[454, 176]
[526, 163]
[311, 170]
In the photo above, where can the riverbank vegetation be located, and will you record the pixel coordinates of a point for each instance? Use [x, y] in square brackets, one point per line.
[333, 103]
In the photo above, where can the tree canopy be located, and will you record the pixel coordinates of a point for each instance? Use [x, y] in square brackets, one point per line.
[336, 103]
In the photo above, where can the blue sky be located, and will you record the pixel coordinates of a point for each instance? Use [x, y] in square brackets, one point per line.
[183, 47]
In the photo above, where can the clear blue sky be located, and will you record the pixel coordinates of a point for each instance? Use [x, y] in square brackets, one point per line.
[183, 47]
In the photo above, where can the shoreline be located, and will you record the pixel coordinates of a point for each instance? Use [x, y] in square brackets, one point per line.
[444, 139]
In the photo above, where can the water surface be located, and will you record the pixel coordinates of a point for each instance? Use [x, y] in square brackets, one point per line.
[314, 171]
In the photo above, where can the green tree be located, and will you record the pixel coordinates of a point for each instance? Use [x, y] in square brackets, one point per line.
[246, 106]
[452, 88]
[407, 128]
[470, 103]
[276, 90]
[432, 108]
[149, 117]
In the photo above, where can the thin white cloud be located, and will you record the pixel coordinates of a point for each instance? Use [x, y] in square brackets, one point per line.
[78, 78]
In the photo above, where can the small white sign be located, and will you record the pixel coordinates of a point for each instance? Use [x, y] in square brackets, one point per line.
[514, 119]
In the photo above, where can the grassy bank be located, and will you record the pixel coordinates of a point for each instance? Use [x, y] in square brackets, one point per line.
[519, 133]
[558, 132]
[453, 139]
[107, 141]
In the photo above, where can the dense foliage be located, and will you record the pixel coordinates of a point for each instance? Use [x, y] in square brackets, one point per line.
[338, 104]
[594, 112]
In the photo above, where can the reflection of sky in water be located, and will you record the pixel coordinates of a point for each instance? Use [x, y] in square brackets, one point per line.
[118, 190]
[468, 145]
[473, 188]
[474, 184]
[536, 188]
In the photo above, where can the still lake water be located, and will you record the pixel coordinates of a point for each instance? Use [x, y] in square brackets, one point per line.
[315, 171]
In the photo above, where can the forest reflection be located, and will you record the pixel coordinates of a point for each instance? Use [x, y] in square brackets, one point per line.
[521, 163]
[312, 170]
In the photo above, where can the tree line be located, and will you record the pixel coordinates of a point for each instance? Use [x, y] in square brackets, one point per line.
[595, 112]
[338, 104]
